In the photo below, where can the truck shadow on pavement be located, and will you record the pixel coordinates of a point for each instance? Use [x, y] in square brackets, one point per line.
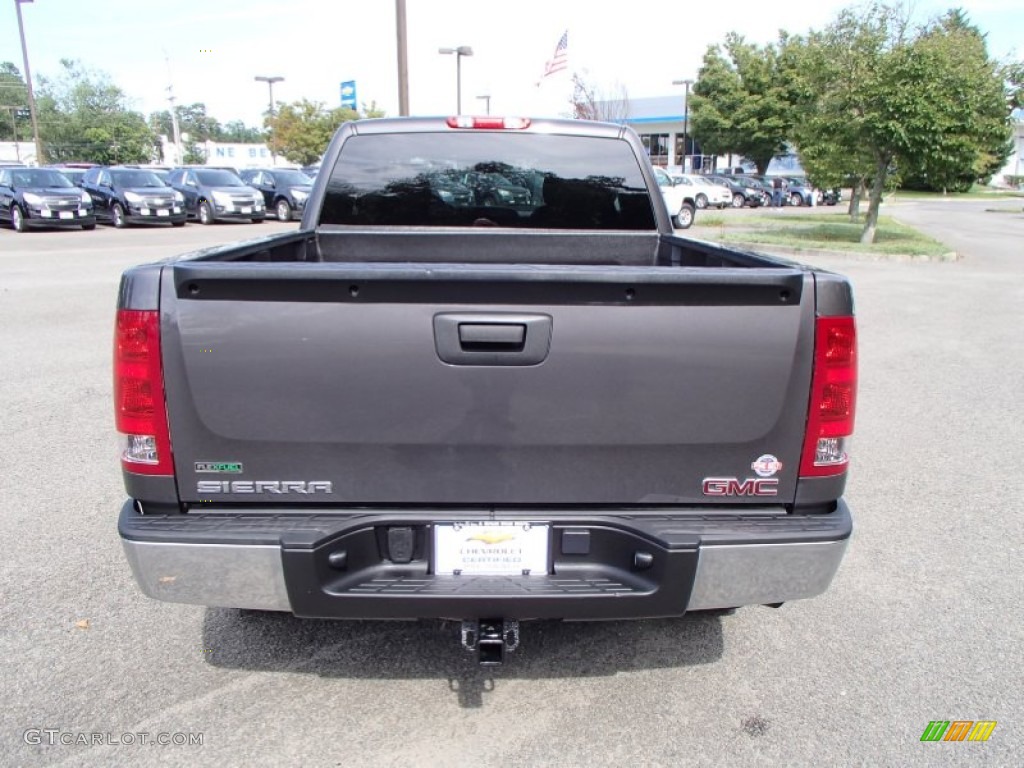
[277, 642]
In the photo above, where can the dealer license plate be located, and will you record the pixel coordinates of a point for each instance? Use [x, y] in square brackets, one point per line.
[247, 209]
[162, 212]
[493, 549]
[67, 214]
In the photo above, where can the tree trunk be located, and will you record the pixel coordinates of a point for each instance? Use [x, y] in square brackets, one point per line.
[856, 193]
[867, 237]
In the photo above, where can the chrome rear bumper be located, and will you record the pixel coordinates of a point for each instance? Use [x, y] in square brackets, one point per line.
[244, 561]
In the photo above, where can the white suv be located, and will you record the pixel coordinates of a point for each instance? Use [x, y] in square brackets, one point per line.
[705, 192]
[678, 198]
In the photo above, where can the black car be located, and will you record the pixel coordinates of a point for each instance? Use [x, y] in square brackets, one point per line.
[284, 191]
[450, 191]
[744, 191]
[492, 189]
[124, 196]
[217, 194]
[43, 197]
[830, 196]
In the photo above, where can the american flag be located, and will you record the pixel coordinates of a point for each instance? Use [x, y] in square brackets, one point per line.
[560, 60]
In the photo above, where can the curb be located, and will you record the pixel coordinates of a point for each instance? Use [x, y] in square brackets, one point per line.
[784, 250]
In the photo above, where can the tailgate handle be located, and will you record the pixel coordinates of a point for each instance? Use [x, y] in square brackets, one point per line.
[494, 338]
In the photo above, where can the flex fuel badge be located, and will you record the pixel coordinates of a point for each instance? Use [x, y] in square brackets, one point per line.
[766, 465]
[220, 467]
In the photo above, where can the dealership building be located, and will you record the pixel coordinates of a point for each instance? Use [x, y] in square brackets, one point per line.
[660, 122]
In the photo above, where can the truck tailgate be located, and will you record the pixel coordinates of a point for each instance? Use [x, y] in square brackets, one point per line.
[400, 384]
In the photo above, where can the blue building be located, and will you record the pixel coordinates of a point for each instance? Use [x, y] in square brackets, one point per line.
[659, 121]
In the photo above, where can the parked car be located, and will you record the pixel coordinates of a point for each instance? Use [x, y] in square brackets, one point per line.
[161, 171]
[74, 171]
[126, 196]
[799, 191]
[74, 175]
[705, 192]
[284, 191]
[769, 185]
[217, 194]
[492, 189]
[311, 170]
[678, 199]
[43, 197]
[450, 191]
[830, 196]
[745, 192]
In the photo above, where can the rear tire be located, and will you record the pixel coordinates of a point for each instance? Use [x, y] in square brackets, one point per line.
[738, 201]
[117, 214]
[283, 210]
[684, 219]
[88, 226]
[702, 201]
[258, 221]
[18, 219]
[796, 200]
[177, 223]
[205, 214]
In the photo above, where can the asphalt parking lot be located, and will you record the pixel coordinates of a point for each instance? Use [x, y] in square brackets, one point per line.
[923, 622]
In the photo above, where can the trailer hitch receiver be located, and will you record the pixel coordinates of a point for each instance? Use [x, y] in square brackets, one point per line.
[491, 639]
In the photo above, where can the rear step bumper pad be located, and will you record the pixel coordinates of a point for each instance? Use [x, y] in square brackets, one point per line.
[288, 561]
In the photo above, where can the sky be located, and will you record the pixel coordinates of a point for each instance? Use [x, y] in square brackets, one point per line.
[212, 53]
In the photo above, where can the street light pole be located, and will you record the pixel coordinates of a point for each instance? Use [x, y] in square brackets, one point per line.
[28, 81]
[487, 100]
[270, 84]
[686, 115]
[403, 58]
[462, 50]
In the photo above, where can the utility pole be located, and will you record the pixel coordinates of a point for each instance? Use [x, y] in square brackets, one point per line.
[179, 150]
[28, 81]
[686, 115]
[403, 59]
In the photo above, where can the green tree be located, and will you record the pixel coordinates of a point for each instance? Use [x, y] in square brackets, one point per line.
[825, 68]
[238, 131]
[899, 101]
[969, 112]
[83, 116]
[14, 114]
[1013, 75]
[302, 130]
[373, 110]
[192, 119]
[742, 102]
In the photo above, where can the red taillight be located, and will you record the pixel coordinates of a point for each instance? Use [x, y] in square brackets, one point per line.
[494, 123]
[139, 411]
[833, 397]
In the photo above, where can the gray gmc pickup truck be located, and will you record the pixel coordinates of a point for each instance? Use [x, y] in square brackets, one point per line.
[535, 404]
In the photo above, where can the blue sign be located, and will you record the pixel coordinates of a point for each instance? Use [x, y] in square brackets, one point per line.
[348, 94]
